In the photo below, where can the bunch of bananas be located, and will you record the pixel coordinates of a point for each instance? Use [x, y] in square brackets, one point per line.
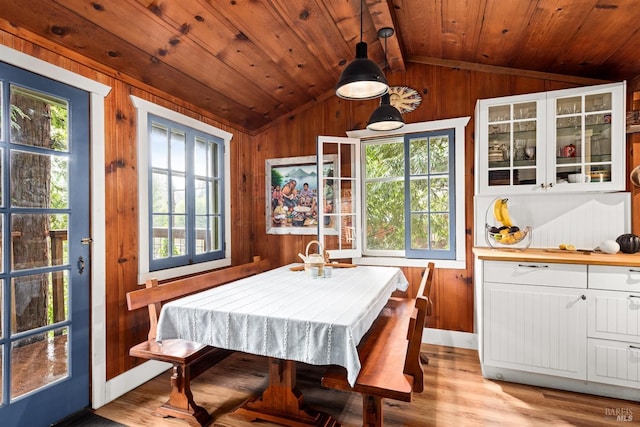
[508, 234]
[501, 212]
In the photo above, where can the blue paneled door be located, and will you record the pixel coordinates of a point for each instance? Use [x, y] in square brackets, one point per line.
[44, 249]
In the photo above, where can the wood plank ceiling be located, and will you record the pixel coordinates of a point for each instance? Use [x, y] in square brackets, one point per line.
[251, 62]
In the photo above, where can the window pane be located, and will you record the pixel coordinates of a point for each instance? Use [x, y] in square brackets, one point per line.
[384, 160]
[160, 236]
[38, 119]
[214, 169]
[440, 238]
[179, 239]
[178, 151]
[159, 146]
[439, 154]
[439, 194]
[419, 195]
[215, 198]
[418, 156]
[178, 189]
[385, 215]
[420, 231]
[201, 197]
[160, 190]
[216, 233]
[200, 157]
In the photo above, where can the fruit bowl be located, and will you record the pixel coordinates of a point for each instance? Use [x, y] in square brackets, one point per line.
[506, 233]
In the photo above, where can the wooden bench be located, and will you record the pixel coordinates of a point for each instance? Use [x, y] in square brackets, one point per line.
[389, 356]
[189, 359]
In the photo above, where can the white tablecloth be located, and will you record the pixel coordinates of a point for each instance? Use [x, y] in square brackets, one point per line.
[287, 315]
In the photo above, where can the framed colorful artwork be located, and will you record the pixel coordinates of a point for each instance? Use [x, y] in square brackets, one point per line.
[292, 194]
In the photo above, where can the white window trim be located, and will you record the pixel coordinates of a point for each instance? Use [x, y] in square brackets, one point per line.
[144, 108]
[459, 125]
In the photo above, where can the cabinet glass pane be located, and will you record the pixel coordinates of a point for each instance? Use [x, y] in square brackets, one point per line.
[512, 131]
[572, 105]
[598, 102]
[499, 113]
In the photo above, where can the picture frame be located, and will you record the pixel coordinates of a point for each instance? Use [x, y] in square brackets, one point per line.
[292, 194]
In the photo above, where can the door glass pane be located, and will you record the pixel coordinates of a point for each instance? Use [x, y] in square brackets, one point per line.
[47, 353]
[31, 239]
[44, 180]
[38, 119]
[2, 204]
[39, 300]
[1, 323]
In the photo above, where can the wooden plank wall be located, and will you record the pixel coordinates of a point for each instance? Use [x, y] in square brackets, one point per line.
[446, 93]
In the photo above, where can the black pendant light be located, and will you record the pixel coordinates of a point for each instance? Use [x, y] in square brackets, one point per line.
[362, 78]
[386, 116]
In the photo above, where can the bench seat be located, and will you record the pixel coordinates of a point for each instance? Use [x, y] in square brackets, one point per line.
[189, 359]
[389, 355]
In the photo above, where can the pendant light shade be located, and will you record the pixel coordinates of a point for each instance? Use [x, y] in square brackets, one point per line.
[386, 116]
[362, 78]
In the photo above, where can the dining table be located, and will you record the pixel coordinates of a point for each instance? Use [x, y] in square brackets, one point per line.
[287, 316]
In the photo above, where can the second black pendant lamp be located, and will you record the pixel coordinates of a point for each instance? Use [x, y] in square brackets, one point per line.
[386, 116]
[362, 78]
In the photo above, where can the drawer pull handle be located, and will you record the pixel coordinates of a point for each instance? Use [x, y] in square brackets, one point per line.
[633, 347]
[631, 270]
[583, 297]
[533, 266]
[634, 296]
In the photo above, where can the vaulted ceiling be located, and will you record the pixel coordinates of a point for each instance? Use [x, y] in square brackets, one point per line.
[250, 62]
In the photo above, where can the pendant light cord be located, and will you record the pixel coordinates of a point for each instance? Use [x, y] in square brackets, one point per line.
[361, 1]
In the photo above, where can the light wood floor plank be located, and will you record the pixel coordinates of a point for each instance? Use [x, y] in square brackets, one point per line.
[455, 395]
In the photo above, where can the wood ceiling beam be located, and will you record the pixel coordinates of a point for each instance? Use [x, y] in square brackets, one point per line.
[472, 66]
[382, 16]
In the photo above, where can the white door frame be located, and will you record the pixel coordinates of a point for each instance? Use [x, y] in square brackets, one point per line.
[98, 92]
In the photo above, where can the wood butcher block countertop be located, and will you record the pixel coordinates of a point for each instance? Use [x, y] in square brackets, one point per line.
[558, 256]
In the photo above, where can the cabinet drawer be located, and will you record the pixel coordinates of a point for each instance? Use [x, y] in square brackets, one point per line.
[536, 274]
[613, 315]
[613, 362]
[614, 278]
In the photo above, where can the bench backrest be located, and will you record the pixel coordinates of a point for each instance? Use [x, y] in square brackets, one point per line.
[416, 328]
[154, 293]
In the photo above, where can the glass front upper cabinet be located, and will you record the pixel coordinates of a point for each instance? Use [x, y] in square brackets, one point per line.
[583, 135]
[567, 140]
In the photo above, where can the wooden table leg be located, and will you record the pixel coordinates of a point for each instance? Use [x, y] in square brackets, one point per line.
[282, 402]
[372, 415]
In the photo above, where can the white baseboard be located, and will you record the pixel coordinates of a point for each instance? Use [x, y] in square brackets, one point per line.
[450, 338]
[131, 379]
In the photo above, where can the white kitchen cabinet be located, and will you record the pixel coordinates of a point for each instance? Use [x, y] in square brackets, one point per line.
[533, 327]
[530, 144]
[568, 326]
[614, 325]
